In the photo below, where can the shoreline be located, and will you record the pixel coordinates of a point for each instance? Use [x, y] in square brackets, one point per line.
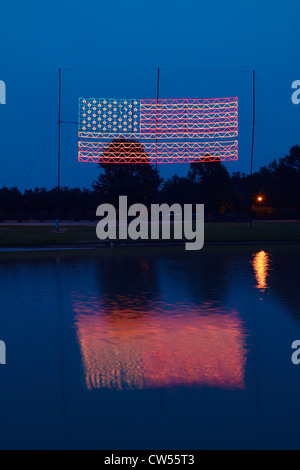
[45, 238]
[112, 245]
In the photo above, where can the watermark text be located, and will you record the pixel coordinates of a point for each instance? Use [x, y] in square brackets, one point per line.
[2, 92]
[155, 223]
[2, 353]
[296, 94]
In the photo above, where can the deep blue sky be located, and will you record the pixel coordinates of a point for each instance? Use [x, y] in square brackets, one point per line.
[204, 49]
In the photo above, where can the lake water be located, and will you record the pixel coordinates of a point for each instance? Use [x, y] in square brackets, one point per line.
[150, 348]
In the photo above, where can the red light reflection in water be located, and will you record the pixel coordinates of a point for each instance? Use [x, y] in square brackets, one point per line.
[261, 264]
[189, 346]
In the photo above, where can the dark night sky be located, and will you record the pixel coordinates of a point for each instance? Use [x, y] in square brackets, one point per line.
[112, 49]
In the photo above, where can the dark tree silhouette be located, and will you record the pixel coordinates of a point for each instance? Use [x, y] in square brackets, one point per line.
[208, 183]
[140, 182]
[212, 181]
[293, 159]
[177, 189]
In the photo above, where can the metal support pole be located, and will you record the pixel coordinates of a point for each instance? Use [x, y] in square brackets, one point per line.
[252, 152]
[157, 98]
[58, 155]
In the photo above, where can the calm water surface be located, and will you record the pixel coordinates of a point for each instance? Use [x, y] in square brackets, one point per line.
[150, 348]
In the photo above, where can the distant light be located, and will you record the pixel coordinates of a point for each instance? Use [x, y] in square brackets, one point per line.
[259, 198]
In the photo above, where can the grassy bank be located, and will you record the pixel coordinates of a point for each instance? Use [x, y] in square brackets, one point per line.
[39, 236]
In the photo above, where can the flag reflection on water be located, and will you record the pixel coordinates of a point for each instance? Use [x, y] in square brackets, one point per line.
[126, 346]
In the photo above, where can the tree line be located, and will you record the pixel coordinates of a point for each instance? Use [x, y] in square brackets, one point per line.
[272, 193]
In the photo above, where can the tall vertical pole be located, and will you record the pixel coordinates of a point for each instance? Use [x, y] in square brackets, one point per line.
[252, 151]
[58, 155]
[157, 98]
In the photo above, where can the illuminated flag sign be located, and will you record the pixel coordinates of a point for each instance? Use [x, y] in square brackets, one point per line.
[162, 131]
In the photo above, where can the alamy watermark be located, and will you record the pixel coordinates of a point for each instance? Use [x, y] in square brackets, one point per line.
[2, 352]
[2, 92]
[154, 224]
[296, 94]
[296, 354]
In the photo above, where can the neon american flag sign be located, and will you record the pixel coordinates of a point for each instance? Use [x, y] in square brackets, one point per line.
[162, 131]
